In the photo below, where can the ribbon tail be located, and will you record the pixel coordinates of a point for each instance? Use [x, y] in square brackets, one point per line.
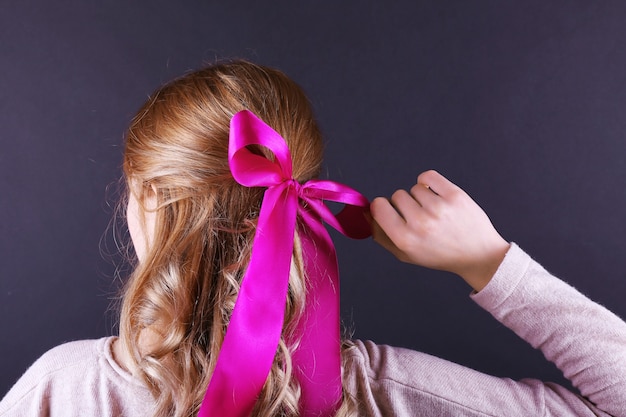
[318, 357]
[255, 327]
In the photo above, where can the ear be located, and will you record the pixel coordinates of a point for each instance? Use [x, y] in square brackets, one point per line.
[146, 194]
[150, 201]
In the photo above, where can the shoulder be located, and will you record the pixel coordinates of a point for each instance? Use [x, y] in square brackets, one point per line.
[69, 362]
[62, 361]
[69, 355]
[74, 378]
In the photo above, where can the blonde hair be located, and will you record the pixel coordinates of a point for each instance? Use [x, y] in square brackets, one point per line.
[185, 288]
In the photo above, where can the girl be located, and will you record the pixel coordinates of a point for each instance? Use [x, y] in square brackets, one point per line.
[217, 164]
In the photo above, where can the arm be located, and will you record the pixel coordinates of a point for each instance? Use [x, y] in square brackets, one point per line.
[586, 341]
[437, 225]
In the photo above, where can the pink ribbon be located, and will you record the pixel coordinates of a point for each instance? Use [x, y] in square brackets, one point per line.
[252, 337]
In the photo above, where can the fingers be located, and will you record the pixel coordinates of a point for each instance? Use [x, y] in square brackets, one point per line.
[405, 204]
[401, 223]
[386, 217]
[437, 183]
[422, 197]
[382, 210]
[409, 208]
[425, 196]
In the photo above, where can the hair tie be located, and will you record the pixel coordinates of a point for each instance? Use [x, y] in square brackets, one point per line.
[253, 334]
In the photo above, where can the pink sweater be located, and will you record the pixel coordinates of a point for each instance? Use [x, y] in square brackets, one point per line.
[586, 341]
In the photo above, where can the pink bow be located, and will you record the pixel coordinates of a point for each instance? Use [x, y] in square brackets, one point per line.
[253, 334]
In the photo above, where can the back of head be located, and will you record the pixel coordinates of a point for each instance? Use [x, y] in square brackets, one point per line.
[178, 301]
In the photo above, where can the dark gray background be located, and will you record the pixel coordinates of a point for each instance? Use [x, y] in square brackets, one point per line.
[520, 103]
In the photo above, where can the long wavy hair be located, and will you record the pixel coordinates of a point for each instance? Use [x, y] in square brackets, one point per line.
[184, 290]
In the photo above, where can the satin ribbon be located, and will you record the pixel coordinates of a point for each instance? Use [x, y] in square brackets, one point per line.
[255, 327]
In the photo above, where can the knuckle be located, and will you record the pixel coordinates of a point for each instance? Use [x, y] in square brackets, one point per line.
[416, 188]
[427, 175]
[398, 195]
[456, 195]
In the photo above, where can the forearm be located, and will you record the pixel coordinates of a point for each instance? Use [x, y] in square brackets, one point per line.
[585, 340]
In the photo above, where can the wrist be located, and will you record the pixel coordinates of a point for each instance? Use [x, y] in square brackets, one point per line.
[480, 274]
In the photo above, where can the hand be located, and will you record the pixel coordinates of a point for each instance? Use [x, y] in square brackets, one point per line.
[437, 225]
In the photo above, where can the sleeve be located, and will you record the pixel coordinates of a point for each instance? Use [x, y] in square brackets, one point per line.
[585, 340]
